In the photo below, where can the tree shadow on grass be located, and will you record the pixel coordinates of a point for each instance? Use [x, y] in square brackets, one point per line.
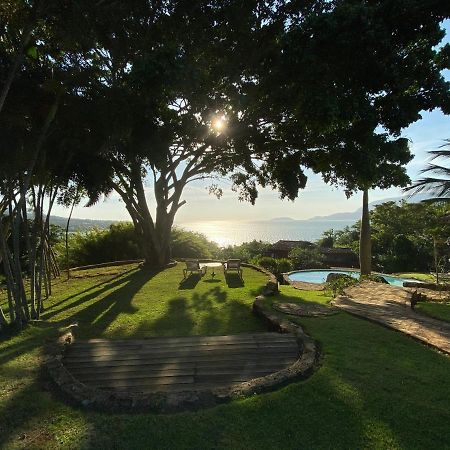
[190, 282]
[234, 280]
[210, 313]
[96, 286]
[99, 313]
[176, 318]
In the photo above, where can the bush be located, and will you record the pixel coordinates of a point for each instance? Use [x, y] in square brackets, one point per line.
[188, 244]
[339, 284]
[267, 262]
[284, 265]
[246, 251]
[96, 246]
[307, 258]
[119, 242]
[273, 265]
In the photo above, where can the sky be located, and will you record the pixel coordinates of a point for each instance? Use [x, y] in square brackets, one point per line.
[317, 199]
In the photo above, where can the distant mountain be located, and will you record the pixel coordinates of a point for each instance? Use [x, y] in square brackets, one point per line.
[356, 215]
[86, 224]
[80, 224]
[282, 219]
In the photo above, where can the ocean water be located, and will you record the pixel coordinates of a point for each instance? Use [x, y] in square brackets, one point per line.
[236, 232]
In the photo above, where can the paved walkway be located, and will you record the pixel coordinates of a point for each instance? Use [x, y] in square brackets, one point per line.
[390, 306]
[180, 363]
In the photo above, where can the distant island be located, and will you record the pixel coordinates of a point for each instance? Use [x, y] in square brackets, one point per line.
[87, 224]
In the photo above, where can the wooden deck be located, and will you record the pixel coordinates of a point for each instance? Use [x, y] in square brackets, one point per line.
[179, 364]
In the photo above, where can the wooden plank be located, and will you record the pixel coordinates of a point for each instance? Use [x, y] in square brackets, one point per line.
[178, 350]
[292, 356]
[183, 340]
[149, 382]
[148, 367]
[282, 358]
[182, 350]
[151, 372]
[174, 355]
[172, 374]
[115, 347]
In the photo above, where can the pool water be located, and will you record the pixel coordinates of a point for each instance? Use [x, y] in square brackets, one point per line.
[320, 276]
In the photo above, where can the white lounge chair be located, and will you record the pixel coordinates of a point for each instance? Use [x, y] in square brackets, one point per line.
[192, 265]
[233, 264]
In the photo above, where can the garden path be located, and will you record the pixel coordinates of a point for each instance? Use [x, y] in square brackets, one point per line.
[390, 306]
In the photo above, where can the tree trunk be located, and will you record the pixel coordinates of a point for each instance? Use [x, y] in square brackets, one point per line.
[15, 66]
[365, 243]
[67, 235]
[155, 245]
[436, 263]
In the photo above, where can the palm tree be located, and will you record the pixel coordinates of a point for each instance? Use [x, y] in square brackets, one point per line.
[439, 184]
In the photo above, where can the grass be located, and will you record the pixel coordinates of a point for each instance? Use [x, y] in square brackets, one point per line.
[375, 388]
[427, 277]
[439, 310]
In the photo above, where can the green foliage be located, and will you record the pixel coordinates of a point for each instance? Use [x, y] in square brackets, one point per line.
[284, 265]
[306, 258]
[267, 262]
[119, 242]
[402, 236]
[438, 184]
[373, 277]
[245, 251]
[339, 284]
[188, 244]
[326, 242]
[96, 246]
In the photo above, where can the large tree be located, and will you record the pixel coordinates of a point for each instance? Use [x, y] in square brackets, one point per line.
[173, 100]
[350, 76]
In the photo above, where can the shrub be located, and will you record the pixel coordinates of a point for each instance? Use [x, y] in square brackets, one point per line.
[276, 266]
[339, 284]
[188, 244]
[267, 262]
[119, 242]
[96, 246]
[246, 251]
[306, 258]
[284, 265]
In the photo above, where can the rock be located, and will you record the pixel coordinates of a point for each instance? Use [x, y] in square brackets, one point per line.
[271, 288]
[336, 276]
[378, 279]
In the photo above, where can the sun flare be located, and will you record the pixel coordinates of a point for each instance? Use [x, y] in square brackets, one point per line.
[218, 124]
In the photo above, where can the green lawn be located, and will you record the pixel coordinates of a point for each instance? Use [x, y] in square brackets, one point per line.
[428, 277]
[439, 310]
[375, 388]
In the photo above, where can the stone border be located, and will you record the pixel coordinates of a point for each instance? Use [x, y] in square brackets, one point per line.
[118, 263]
[106, 264]
[425, 285]
[166, 402]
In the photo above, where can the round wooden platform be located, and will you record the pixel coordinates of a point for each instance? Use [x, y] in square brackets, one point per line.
[176, 364]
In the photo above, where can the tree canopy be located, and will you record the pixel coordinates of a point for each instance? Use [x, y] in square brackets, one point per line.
[126, 96]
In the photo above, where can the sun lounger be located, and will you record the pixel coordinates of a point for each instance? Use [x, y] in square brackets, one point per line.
[192, 265]
[233, 264]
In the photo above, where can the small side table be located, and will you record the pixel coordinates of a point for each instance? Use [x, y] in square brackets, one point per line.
[213, 265]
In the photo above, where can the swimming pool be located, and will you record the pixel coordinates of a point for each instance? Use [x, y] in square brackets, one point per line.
[320, 276]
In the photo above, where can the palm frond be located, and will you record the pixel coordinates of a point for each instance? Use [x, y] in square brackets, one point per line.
[439, 188]
[437, 169]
